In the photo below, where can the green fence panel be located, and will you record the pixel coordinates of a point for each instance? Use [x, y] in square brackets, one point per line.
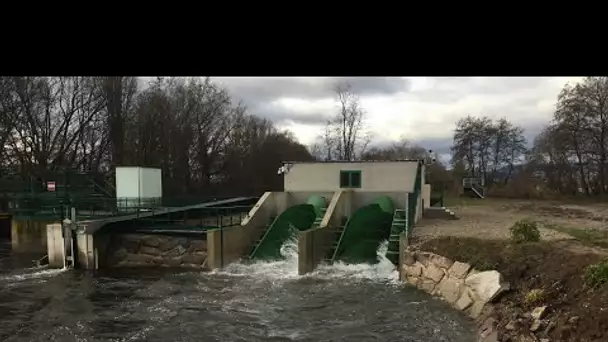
[412, 200]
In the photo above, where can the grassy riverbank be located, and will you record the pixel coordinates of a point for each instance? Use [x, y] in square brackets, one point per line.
[566, 271]
[544, 273]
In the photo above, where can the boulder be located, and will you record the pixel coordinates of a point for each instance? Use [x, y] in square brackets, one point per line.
[172, 261]
[409, 258]
[486, 285]
[153, 251]
[167, 244]
[137, 259]
[433, 272]
[131, 243]
[413, 280]
[193, 259]
[450, 289]
[413, 270]
[464, 302]
[459, 270]
[198, 245]
[424, 258]
[476, 308]
[441, 261]
[426, 285]
[157, 260]
[538, 312]
[151, 241]
[121, 253]
[175, 252]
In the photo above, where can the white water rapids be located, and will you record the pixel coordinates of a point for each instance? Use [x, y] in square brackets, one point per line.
[261, 301]
[287, 269]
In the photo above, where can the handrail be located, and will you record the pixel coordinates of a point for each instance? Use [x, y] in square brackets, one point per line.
[333, 257]
[395, 216]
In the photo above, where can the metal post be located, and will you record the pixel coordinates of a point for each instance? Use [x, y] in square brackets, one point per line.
[221, 241]
[72, 231]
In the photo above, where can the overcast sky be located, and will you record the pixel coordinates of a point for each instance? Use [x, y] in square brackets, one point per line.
[421, 109]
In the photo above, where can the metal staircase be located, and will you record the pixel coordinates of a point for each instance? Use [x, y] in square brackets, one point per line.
[257, 243]
[398, 226]
[334, 247]
[474, 187]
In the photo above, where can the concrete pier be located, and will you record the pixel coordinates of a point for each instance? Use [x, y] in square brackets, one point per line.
[29, 235]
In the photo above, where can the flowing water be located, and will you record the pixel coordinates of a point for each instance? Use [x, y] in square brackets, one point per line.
[258, 302]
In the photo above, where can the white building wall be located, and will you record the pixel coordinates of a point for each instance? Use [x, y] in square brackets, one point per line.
[138, 182]
[398, 176]
[151, 185]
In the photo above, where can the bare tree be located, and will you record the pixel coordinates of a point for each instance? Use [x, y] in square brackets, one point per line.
[402, 149]
[345, 136]
[572, 152]
[487, 149]
[204, 140]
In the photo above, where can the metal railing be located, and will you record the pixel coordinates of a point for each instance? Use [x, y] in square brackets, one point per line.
[90, 207]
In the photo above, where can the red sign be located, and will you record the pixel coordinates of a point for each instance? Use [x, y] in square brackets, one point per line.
[50, 186]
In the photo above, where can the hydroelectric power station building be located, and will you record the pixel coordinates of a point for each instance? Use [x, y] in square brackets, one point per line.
[337, 211]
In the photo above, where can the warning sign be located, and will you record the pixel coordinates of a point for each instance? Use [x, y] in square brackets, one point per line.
[50, 186]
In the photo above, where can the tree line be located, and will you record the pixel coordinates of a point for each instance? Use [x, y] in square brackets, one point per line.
[203, 140]
[568, 158]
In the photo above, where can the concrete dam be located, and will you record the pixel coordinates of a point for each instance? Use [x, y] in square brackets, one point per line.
[336, 233]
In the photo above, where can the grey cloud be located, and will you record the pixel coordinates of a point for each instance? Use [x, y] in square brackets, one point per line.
[451, 89]
[439, 145]
[516, 98]
[369, 86]
[258, 94]
[280, 115]
[269, 88]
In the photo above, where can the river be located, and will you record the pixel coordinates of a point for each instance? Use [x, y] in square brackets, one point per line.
[259, 302]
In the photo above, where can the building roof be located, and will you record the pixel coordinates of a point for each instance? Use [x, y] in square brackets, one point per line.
[353, 161]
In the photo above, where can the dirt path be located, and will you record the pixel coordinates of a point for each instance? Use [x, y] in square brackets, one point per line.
[491, 219]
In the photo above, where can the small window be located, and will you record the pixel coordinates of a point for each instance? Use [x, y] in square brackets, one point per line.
[350, 179]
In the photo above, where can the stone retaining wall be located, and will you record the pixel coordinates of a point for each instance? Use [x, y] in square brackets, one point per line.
[130, 250]
[464, 288]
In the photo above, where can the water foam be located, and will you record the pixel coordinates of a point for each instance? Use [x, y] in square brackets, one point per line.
[384, 270]
[39, 272]
[287, 268]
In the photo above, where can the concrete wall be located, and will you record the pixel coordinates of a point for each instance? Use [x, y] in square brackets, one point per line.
[29, 235]
[230, 244]
[86, 252]
[134, 250]
[375, 176]
[361, 199]
[315, 244]
[340, 205]
[313, 247]
[300, 197]
[55, 245]
[426, 195]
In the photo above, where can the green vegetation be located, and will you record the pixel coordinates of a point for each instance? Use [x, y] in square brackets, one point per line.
[534, 297]
[596, 275]
[586, 236]
[525, 230]
[481, 254]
